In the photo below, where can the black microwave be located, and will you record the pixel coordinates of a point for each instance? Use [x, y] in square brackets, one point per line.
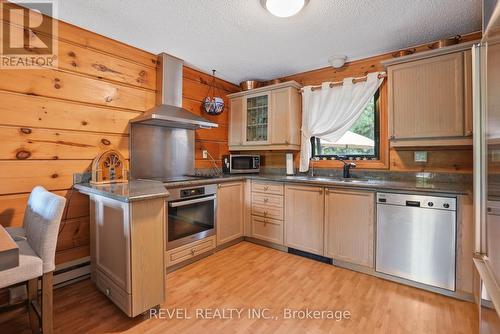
[241, 163]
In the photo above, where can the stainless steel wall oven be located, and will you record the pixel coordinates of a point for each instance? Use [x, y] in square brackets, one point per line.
[191, 214]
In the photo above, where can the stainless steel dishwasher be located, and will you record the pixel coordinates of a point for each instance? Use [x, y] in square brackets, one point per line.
[416, 238]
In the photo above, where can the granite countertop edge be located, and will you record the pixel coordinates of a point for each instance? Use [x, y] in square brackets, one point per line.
[413, 186]
[137, 190]
[134, 190]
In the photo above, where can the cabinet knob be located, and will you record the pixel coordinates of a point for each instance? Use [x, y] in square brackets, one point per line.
[266, 187]
[321, 191]
[266, 200]
[108, 292]
[193, 251]
[265, 213]
[219, 186]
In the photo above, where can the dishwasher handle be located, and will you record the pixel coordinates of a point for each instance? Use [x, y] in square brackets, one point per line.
[413, 203]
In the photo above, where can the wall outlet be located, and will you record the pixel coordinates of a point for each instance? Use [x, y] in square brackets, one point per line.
[205, 154]
[420, 156]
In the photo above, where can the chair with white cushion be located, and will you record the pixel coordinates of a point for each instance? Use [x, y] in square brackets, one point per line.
[37, 241]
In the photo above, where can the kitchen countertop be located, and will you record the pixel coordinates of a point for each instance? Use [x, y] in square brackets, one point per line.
[134, 190]
[426, 186]
[137, 190]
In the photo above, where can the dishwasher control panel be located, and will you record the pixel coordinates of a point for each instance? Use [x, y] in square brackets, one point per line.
[419, 201]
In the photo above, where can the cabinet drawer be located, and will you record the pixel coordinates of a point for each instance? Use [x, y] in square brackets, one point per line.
[119, 296]
[267, 200]
[189, 251]
[267, 229]
[267, 211]
[267, 187]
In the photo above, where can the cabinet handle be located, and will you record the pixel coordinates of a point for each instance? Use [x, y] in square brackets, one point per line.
[219, 186]
[266, 200]
[108, 292]
[321, 191]
[266, 187]
[192, 251]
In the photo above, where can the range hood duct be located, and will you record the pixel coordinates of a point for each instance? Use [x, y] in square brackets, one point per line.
[169, 112]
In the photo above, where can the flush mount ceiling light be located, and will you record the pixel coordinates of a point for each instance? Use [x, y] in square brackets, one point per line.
[337, 61]
[284, 8]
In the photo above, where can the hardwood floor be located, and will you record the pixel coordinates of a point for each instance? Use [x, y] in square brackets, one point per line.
[251, 276]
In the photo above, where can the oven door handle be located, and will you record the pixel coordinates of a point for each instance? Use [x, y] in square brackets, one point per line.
[191, 201]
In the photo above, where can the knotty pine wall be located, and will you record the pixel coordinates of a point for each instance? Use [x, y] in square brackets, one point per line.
[440, 159]
[53, 122]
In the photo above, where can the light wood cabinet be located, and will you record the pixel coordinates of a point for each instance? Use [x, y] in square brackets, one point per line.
[189, 251]
[127, 247]
[304, 208]
[230, 211]
[267, 229]
[266, 118]
[267, 211]
[235, 137]
[430, 100]
[349, 226]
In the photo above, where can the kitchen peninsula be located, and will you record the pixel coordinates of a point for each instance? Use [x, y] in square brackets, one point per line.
[127, 224]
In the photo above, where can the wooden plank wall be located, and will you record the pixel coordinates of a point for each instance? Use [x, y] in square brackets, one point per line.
[447, 159]
[53, 122]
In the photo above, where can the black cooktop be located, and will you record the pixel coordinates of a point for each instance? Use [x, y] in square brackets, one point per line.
[180, 178]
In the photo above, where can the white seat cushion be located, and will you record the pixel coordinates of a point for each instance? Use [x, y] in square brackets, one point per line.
[17, 233]
[30, 266]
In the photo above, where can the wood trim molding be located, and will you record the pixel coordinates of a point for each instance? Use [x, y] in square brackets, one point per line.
[264, 89]
[431, 53]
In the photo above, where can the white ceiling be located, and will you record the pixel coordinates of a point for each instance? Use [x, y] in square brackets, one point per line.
[241, 40]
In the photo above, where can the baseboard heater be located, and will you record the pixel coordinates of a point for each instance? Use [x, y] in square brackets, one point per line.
[71, 272]
[64, 274]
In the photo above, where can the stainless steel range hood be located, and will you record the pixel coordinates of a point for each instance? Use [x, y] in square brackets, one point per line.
[169, 111]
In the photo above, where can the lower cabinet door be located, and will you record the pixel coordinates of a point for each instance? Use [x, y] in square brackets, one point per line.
[304, 207]
[349, 226]
[267, 229]
[186, 252]
[230, 211]
[119, 296]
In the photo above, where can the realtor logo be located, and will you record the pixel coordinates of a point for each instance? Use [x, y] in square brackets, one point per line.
[28, 33]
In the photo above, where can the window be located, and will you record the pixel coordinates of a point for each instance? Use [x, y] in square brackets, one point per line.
[361, 142]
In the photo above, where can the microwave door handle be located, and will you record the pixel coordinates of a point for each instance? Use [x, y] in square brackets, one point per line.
[191, 201]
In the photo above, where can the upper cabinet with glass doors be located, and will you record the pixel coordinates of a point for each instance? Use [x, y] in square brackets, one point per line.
[266, 118]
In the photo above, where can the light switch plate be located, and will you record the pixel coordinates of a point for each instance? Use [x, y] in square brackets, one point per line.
[420, 156]
[205, 154]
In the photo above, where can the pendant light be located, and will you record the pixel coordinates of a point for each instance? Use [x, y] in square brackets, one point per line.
[284, 8]
[213, 105]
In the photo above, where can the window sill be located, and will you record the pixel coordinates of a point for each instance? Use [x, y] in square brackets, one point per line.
[360, 164]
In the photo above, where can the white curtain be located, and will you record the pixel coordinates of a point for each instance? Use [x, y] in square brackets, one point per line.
[329, 112]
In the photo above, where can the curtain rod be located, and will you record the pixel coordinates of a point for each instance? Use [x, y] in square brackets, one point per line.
[354, 80]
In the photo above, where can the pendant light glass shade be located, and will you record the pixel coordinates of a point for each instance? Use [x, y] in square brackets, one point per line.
[284, 8]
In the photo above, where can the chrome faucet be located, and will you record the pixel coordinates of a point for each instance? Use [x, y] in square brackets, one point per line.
[347, 168]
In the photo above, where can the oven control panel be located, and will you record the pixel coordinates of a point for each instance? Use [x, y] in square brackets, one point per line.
[192, 192]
